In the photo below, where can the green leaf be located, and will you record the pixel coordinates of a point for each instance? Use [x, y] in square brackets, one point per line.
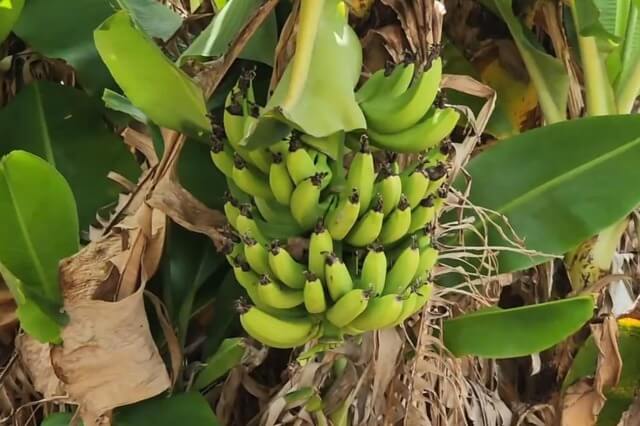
[558, 185]
[627, 84]
[149, 79]
[228, 355]
[199, 176]
[38, 228]
[65, 126]
[117, 102]
[508, 333]
[327, 103]
[59, 419]
[64, 29]
[214, 40]
[226, 294]
[153, 18]
[189, 261]
[547, 72]
[597, 18]
[182, 409]
[619, 397]
[9, 13]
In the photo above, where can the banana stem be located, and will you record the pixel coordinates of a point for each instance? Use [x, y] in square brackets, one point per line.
[600, 100]
[308, 24]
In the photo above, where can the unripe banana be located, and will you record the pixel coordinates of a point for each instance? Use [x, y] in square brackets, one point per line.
[231, 250]
[348, 307]
[423, 295]
[257, 255]
[343, 216]
[232, 117]
[305, 201]
[272, 211]
[231, 209]
[391, 114]
[381, 312]
[320, 243]
[387, 82]
[250, 181]
[374, 269]
[371, 87]
[244, 275]
[414, 186]
[322, 166]
[389, 186]
[362, 175]
[430, 131]
[437, 176]
[285, 267]
[337, 277]
[245, 225]
[299, 163]
[428, 259]
[397, 224]
[315, 301]
[277, 332]
[408, 307]
[368, 227]
[261, 158]
[279, 180]
[222, 156]
[278, 296]
[423, 215]
[403, 270]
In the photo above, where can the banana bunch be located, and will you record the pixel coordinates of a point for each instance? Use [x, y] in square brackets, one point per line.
[399, 107]
[366, 222]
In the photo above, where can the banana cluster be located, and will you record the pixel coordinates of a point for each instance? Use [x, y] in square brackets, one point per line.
[365, 223]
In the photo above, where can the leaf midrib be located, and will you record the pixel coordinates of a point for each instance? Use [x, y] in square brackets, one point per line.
[37, 265]
[564, 177]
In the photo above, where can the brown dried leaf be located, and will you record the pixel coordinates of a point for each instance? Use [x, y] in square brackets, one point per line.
[35, 357]
[108, 358]
[584, 399]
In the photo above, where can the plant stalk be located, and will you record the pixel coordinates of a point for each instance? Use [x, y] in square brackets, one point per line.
[628, 84]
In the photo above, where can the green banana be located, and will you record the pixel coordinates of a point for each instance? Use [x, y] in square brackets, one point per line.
[403, 269]
[322, 166]
[428, 259]
[408, 307]
[230, 249]
[256, 255]
[231, 209]
[279, 180]
[285, 267]
[391, 114]
[368, 227]
[374, 269]
[261, 158]
[315, 300]
[232, 118]
[273, 211]
[389, 186]
[337, 277]
[362, 175]
[341, 218]
[222, 156]
[381, 312]
[320, 243]
[423, 296]
[348, 307]
[423, 215]
[277, 332]
[397, 224]
[278, 296]
[250, 181]
[414, 186]
[437, 176]
[305, 201]
[392, 81]
[245, 225]
[299, 163]
[430, 131]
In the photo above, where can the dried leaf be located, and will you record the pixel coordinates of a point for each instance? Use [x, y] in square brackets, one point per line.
[108, 358]
[584, 399]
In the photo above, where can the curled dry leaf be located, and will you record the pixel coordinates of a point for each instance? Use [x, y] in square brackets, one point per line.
[34, 355]
[584, 399]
